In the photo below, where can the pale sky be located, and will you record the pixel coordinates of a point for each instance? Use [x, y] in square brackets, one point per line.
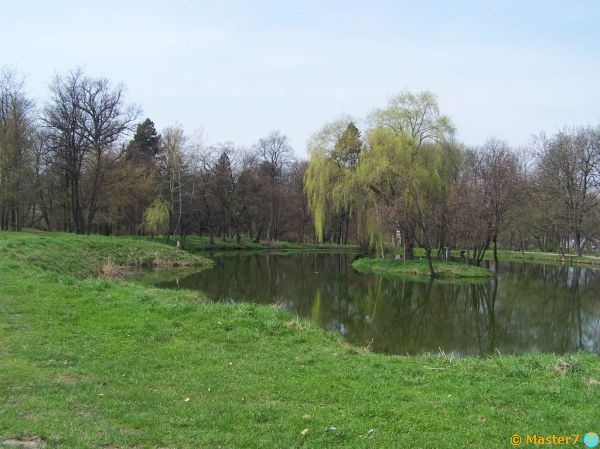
[239, 69]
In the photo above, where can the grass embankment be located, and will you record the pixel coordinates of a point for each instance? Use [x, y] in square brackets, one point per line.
[545, 258]
[193, 243]
[533, 257]
[420, 267]
[92, 363]
[87, 255]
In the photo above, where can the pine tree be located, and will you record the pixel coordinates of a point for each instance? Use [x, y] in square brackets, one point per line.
[145, 145]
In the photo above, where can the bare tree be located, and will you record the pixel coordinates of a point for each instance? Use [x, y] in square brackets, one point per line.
[499, 172]
[275, 154]
[106, 121]
[84, 119]
[16, 155]
[172, 168]
[569, 170]
[487, 188]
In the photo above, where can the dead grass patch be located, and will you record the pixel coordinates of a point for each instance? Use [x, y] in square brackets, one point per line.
[298, 325]
[110, 270]
[34, 443]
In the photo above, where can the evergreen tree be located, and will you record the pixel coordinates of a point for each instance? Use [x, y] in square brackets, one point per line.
[348, 147]
[145, 145]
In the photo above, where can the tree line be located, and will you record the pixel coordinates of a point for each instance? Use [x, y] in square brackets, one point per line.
[409, 182]
[85, 161]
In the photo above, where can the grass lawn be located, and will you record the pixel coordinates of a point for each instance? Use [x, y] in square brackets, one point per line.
[540, 257]
[533, 257]
[92, 363]
[420, 267]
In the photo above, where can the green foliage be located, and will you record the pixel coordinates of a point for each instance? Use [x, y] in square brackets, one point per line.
[156, 217]
[329, 181]
[401, 180]
[347, 149]
[415, 115]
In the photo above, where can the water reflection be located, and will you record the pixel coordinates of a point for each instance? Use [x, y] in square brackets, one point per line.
[528, 307]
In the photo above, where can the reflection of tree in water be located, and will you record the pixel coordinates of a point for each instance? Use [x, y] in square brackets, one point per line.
[528, 307]
[406, 317]
[558, 307]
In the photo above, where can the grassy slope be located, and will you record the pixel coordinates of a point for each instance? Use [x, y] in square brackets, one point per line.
[418, 267]
[95, 363]
[84, 255]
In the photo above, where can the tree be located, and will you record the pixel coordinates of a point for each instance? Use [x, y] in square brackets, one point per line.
[429, 184]
[329, 180]
[172, 165]
[106, 121]
[144, 148]
[275, 154]
[569, 170]
[348, 146]
[415, 115]
[501, 184]
[156, 217]
[85, 118]
[346, 154]
[17, 134]
[487, 189]
[223, 189]
[138, 177]
[385, 174]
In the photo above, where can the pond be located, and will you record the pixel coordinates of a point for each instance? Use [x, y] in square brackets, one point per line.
[527, 308]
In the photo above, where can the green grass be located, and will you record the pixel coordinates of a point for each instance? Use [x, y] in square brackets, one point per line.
[419, 267]
[541, 257]
[193, 243]
[533, 257]
[90, 363]
[84, 255]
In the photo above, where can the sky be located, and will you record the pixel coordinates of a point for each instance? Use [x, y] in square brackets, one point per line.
[239, 69]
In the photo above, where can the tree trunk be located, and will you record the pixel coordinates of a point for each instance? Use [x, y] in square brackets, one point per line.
[430, 262]
[407, 245]
[495, 240]
[578, 247]
[76, 206]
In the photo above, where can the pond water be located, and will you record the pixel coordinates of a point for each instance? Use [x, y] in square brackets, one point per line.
[528, 307]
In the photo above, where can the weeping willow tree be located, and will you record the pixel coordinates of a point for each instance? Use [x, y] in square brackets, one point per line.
[330, 180]
[408, 185]
[395, 184]
[157, 217]
[429, 187]
[385, 173]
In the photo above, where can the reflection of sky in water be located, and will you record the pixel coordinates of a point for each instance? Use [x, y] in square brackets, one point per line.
[529, 307]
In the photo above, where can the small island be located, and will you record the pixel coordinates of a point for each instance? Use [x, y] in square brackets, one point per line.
[420, 267]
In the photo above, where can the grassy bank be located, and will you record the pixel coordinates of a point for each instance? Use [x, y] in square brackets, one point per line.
[91, 363]
[419, 267]
[86, 255]
[547, 258]
[193, 243]
[534, 257]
